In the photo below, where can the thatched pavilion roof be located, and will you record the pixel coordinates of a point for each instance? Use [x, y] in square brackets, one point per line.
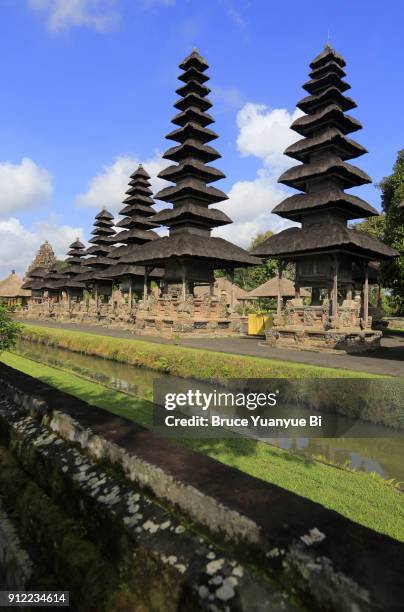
[223, 284]
[295, 241]
[11, 287]
[270, 289]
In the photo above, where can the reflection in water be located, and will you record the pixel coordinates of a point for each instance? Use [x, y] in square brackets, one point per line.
[383, 455]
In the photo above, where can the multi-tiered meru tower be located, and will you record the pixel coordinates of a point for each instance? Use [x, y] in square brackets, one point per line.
[324, 248]
[190, 254]
[137, 229]
[101, 255]
[75, 265]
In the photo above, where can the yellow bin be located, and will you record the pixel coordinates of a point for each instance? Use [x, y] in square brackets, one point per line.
[257, 324]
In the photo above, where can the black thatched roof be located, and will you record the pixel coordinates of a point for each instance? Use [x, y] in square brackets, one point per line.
[215, 251]
[189, 211]
[346, 147]
[348, 175]
[297, 205]
[54, 275]
[138, 227]
[138, 210]
[328, 55]
[297, 241]
[191, 218]
[122, 270]
[76, 253]
[325, 173]
[100, 252]
[191, 173]
[35, 279]
[38, 272]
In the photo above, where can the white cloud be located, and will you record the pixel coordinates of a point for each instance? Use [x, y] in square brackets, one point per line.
[249, 206]
[108, 187]
[265, 133]
[18, 245]
[102, 15]
[23, 186]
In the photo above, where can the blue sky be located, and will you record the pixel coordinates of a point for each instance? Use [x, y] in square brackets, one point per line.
[88, 88]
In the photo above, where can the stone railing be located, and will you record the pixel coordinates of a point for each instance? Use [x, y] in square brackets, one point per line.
[166, 314]
[207, 314]
[296, 314]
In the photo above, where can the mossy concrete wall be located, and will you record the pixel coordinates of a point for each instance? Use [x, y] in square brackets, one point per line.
[126, 521]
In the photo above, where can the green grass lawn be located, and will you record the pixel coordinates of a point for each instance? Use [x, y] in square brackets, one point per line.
[361, 497]
[178, 360]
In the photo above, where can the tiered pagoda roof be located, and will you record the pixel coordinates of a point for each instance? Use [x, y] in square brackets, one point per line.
[102, 248]
[52, 279]
[35, 279]
[76, 264]
[324, 208]
[137, 225]
[191, 218]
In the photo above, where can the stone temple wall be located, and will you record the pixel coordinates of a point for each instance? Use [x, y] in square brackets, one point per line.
[97, 505]
[207, 315]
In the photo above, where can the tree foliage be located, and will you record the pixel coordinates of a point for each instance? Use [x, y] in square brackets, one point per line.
[9, 330]
[392, 272]
[374, 227]
[250, 278]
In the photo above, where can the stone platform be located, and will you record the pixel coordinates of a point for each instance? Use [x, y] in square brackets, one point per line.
[317, 328]
[332, 340]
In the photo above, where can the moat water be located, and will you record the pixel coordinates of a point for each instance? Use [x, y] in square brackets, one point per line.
[376, 449]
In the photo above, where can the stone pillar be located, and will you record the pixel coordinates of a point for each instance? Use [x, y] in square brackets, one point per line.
[145, 282]
[231, 275]
[349, 293]
[184, 283]
[366, 296]
[335, 292]
[130, 293]
[297, 292]
[279, 300]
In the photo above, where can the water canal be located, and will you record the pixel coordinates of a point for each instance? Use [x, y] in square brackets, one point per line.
[376, 449]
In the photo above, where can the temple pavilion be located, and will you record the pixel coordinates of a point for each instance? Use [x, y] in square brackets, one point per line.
[324, 249]
[75, 265]
[101, 255]
[189, 254]
[137, 228]
[11, 291]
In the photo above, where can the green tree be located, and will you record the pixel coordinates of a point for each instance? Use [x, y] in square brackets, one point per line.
[374, 227]
[392, 272]
[250, 278]
[9, 330]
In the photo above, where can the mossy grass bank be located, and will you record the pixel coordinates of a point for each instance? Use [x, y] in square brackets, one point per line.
[361, 497]
[178, 360]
